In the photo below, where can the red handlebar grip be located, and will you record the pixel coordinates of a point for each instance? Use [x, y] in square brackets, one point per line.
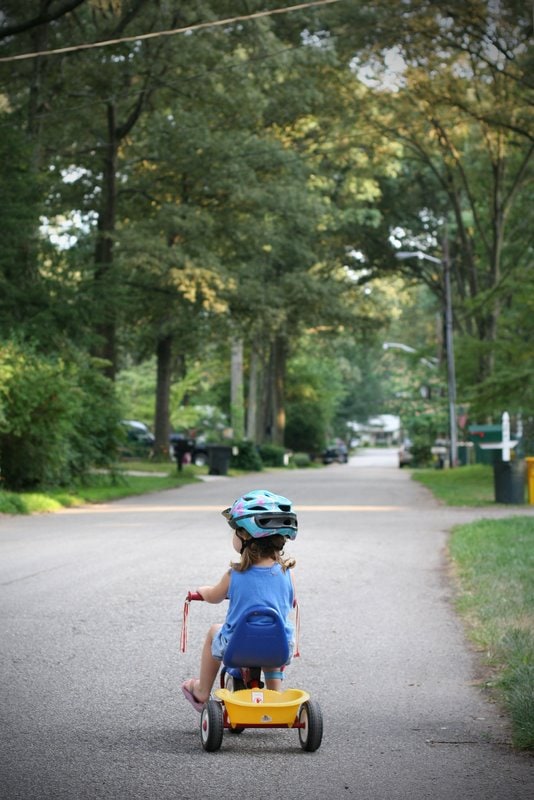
[194, 596]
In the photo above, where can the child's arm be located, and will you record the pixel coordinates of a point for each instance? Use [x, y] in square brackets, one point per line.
[218, 592]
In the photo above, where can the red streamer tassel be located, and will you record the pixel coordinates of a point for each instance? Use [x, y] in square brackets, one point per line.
[296, 654]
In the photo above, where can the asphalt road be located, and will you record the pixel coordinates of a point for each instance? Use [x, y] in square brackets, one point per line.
[91, 603]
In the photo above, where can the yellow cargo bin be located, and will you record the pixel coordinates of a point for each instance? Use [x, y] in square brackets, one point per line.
[262, 706]
[530, 479]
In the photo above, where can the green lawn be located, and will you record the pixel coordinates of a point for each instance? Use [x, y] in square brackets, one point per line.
[464, 486]
[102, 487]
[494, 562]
[494, 567]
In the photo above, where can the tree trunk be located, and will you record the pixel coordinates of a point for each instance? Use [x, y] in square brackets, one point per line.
[253, 394]
[278, 421]
[163, 390]
[237, 408]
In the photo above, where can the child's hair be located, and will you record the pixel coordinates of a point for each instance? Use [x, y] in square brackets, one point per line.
[254, 550]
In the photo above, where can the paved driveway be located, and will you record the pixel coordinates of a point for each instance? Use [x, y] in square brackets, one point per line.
[91, 605]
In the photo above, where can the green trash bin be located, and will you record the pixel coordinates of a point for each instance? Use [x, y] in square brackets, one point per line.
[219, 456]
[509, 482]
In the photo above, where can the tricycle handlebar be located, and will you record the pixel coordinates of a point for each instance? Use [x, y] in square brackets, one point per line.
[194, 596]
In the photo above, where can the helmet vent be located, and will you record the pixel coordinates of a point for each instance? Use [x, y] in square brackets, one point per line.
[284, 508]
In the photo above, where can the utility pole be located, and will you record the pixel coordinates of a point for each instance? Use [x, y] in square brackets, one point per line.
[449, 344]
[444, 261]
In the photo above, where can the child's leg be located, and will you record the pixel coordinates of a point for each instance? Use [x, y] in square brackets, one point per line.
[209, 667]
[274, 683]
[274, 679]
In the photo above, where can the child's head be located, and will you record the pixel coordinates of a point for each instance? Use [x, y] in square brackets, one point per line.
[261, 513]
[262, 522]
[253, 551]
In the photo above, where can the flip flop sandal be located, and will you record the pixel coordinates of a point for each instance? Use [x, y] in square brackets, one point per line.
[190, 697]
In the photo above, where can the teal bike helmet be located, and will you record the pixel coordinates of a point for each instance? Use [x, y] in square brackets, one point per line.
[261, 513]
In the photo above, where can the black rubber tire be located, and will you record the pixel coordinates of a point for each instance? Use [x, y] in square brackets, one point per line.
[233, 684]
[235, 731]
[211, 726]
[311, 734]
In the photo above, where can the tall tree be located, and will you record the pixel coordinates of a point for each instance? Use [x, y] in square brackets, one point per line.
[456, 103]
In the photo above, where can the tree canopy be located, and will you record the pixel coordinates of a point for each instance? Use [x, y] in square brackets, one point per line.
[255, 181]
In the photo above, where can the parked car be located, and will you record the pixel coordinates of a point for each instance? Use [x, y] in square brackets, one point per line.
[139, 439]
[336, 452]
[140, 442]
[405, 453]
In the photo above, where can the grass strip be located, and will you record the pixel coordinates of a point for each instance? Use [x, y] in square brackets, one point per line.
[99, 489]
[494, 562]
[464, 486]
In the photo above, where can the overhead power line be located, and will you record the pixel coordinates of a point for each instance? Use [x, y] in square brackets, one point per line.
[189, 28]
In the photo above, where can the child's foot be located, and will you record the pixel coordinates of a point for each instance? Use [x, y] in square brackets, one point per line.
[188, 688]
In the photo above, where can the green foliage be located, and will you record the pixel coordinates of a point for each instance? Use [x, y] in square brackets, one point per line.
[284, 179]
[423, 429]
[495, 560]
[136, 390]
[21, 292]
[272, 455]
[300, 460]
[11, 503]
[98, 489]
[314, 391]
[247, 458]
[57, 419]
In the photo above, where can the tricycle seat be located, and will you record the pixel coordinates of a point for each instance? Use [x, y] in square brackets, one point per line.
[259, 640]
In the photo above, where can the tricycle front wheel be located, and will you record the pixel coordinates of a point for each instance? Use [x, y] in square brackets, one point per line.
[311, 720]
[211, 726]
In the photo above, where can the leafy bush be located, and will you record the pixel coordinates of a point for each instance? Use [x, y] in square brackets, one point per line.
[57, 419]
[423, 430]
[11, 503]
[421, 452]
[272, 455]
[247, 458]
[300, 460]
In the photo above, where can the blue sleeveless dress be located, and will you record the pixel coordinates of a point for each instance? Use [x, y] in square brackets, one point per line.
[268, 586]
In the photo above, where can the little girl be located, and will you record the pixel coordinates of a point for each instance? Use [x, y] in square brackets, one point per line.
[262, 522]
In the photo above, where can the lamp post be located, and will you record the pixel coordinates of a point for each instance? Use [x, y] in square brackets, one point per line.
[449, 345]
[428, 362]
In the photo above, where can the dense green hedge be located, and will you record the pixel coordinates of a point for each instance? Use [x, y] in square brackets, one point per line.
[247, 458]
[58, 418]
[272, 455]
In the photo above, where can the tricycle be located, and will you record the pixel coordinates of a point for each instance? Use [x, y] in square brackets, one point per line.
[258, 642]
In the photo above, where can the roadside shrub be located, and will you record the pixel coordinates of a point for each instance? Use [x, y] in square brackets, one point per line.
[57, 419]
[421, 452]
[11, 503]
[248, 457]
[272, 455]
[300, 460]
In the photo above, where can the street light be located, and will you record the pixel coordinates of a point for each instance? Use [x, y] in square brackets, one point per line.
[428, 362]
[451, 372]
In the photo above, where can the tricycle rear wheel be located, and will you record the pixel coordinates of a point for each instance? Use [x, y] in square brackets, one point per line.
[311, 718]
